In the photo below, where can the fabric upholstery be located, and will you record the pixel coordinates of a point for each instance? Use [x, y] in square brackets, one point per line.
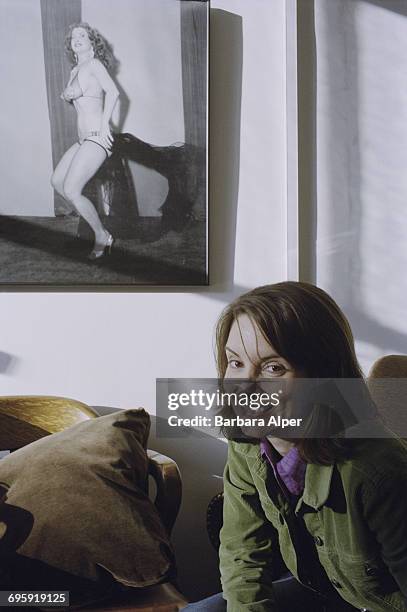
[77, 502]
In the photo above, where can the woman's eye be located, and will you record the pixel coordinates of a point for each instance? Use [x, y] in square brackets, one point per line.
[234, 363]
[276, 369]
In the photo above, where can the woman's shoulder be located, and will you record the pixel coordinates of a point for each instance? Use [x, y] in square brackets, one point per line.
[250, 449]
[386, 448]
[96, 64]
[377, 459]
[97, 68]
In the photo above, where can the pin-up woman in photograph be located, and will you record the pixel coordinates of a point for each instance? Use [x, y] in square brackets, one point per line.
[94, 95]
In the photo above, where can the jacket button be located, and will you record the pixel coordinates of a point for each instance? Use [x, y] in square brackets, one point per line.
[370, 570]
[318, 541]
[336, 583]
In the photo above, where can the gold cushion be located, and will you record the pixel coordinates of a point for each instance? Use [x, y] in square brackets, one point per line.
[24, 419]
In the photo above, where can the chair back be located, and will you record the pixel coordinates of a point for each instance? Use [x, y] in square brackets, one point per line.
[389, 366]
[387, 383]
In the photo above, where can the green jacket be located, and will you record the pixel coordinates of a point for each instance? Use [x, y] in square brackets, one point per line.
[356, 511]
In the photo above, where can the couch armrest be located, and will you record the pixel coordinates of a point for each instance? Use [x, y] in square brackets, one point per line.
[167, 477]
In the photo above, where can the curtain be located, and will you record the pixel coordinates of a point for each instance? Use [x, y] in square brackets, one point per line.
[194, 15]
[194, 50]
[57, 16]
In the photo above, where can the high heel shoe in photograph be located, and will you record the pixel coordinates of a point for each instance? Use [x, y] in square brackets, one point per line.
[105, 249]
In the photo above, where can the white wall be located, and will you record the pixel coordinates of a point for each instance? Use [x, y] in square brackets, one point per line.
[361, 178]
[261, 222]
[108, 348]
[25, 152]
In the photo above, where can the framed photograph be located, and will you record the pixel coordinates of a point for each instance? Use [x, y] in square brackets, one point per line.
[104, 137]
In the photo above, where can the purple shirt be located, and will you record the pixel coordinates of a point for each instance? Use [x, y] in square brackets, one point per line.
[290, 468]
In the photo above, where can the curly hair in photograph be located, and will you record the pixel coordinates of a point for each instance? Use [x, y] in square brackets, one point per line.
[102, 49]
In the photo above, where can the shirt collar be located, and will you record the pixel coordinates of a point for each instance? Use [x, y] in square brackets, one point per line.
[291, 468]
[267, 450]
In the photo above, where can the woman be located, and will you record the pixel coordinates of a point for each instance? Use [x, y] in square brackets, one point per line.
[93, 93]
[330, 511]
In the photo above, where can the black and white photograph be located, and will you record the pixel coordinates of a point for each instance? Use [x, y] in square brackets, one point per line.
[103, 124]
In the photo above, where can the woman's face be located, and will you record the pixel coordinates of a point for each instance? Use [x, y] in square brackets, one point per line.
[251, 357]
[80, 41]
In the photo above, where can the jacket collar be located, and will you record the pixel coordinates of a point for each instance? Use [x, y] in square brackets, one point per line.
[317, 485]
[317, 477]
[246, 448]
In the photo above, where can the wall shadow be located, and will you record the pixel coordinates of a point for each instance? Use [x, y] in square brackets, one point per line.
[225, 95]
[307, 180]
[7, 363]
[342, 256]
[395, 6]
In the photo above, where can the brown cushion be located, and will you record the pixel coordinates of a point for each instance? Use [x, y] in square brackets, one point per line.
[77, 503]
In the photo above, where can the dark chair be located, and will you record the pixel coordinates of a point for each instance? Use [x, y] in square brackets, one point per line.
[214, 519]
[388, 386]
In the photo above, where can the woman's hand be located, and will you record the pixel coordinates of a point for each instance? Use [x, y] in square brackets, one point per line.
[106, 137]
[67, 95]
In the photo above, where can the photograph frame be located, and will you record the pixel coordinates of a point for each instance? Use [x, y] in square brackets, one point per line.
[168, 248]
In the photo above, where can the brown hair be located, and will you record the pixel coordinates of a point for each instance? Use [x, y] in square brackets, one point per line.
[308, 329]
[101, 48]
